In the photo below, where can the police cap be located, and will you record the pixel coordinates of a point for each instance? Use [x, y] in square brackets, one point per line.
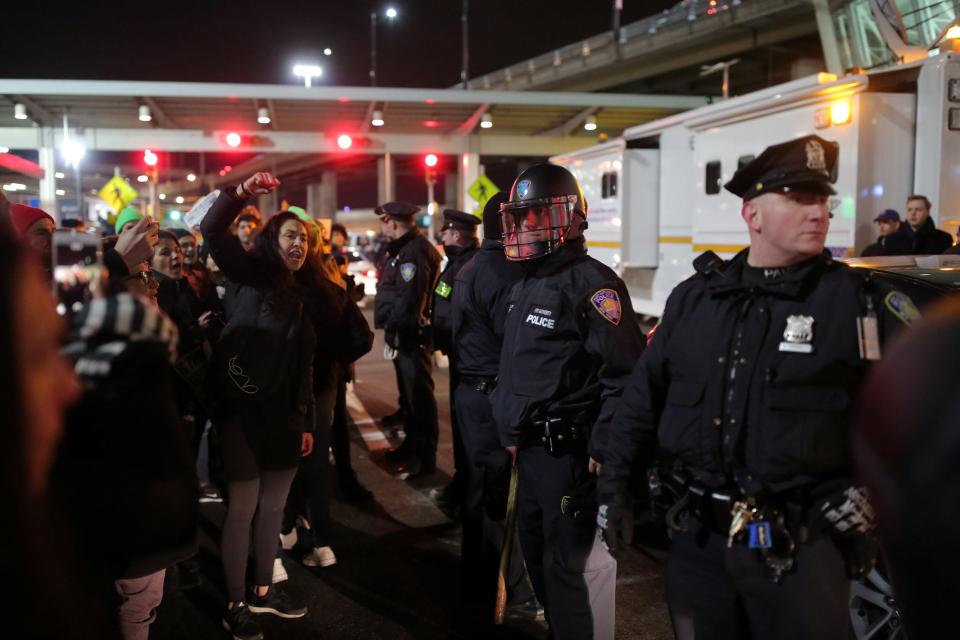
[807, 164]
[459, 220]
[397, 210]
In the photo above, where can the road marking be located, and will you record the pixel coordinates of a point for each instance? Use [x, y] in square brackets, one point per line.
[375, 439]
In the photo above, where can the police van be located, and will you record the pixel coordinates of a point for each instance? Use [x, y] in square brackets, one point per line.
[656, 197]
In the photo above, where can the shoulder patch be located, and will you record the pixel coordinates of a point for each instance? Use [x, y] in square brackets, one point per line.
[902, 306]
[407, 271]
[607, 302]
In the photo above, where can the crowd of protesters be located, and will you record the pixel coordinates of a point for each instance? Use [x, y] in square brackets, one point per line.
[191, 373]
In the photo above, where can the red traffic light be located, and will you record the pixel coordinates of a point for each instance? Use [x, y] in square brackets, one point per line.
[233, 139]
[344, 141]
[150, 158]
[431, 160]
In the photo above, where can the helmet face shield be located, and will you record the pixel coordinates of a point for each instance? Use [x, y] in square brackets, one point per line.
[534, 228]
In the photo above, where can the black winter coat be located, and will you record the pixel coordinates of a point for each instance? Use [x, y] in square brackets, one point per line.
[407, 276]
[570, 342]
[442, 301]
[752, 382]
[265, 351]
[927, 240]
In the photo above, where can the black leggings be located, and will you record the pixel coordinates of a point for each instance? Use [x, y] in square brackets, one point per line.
[265, 497]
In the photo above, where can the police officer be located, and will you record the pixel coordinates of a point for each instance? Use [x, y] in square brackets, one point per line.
[746, 388]
[479, 309]
[570, 342]
[459, 237]
[408, 275]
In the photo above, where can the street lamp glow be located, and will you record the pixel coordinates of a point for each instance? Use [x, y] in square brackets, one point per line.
[144, 113]
[191, 177]
[19, 111]
[486, 122]
[591, 123]
[162, 196]
[175, 215]
[61, 192]
[73, 152]
[263, 115]
[308, 72]
[179, 199]
[142, 178]
[58, 175]
[328, 51]
[377, 119]
[391, 13]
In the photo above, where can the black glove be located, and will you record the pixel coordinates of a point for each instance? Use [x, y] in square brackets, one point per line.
[850, 518]
[581, 504]
[610, 523]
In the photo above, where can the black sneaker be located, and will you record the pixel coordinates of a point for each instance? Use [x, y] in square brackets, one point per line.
[240, 624]
[276, 602]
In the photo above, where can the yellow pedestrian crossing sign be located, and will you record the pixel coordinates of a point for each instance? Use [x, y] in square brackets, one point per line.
[118, 193]
[482, 190]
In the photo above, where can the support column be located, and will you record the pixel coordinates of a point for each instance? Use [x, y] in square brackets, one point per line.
[828, 36]
[313, 199]
[327, 206]
[468, 170]
[450, 183]
[386, 185]
[48, 183]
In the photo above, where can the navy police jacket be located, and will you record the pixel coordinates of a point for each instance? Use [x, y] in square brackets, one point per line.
[405, 285]
[570, 342]
[751, 375]
[443, 296]
[479, 296]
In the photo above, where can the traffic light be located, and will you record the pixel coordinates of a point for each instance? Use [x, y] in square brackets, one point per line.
[351, 142]
[151, 160]
[236, 140]
[430, 163]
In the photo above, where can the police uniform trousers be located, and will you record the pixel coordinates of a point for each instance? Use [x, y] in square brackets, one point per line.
[573, 575]
[414, 366]
[458, 483]
[482, 535]
[716, 593]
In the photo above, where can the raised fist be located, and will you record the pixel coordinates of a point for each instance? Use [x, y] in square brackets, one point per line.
[258, 184]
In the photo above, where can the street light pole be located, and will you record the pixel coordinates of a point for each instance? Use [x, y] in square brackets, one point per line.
[373, 48]
[464, 71]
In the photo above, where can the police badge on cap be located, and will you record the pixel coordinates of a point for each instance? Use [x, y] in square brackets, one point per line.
[807, 165]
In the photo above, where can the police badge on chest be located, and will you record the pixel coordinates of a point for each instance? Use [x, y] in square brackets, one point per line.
[798, 336]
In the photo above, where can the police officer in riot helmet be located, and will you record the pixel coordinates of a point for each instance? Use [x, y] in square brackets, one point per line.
[407, 276]
[740, 409]
[570, 342]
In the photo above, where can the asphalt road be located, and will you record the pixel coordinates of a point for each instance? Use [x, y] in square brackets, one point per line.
[398, 555]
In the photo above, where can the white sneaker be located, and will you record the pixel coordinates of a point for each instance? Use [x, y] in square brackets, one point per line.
[320, 557]
[288, 540]
[279, 572]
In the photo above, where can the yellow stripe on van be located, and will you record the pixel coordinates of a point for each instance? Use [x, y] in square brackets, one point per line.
[676, 239]
[720, 248]
[604, 244]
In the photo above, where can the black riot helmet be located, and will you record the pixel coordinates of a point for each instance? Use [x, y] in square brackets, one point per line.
[545, 209]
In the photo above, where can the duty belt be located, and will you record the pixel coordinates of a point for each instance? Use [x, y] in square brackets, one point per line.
[771, 524]
[558, 436]
[482, 384]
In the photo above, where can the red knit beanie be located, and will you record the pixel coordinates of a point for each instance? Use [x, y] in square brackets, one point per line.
[24, 216]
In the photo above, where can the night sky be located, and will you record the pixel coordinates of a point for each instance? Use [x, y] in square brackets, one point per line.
[259, 41]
